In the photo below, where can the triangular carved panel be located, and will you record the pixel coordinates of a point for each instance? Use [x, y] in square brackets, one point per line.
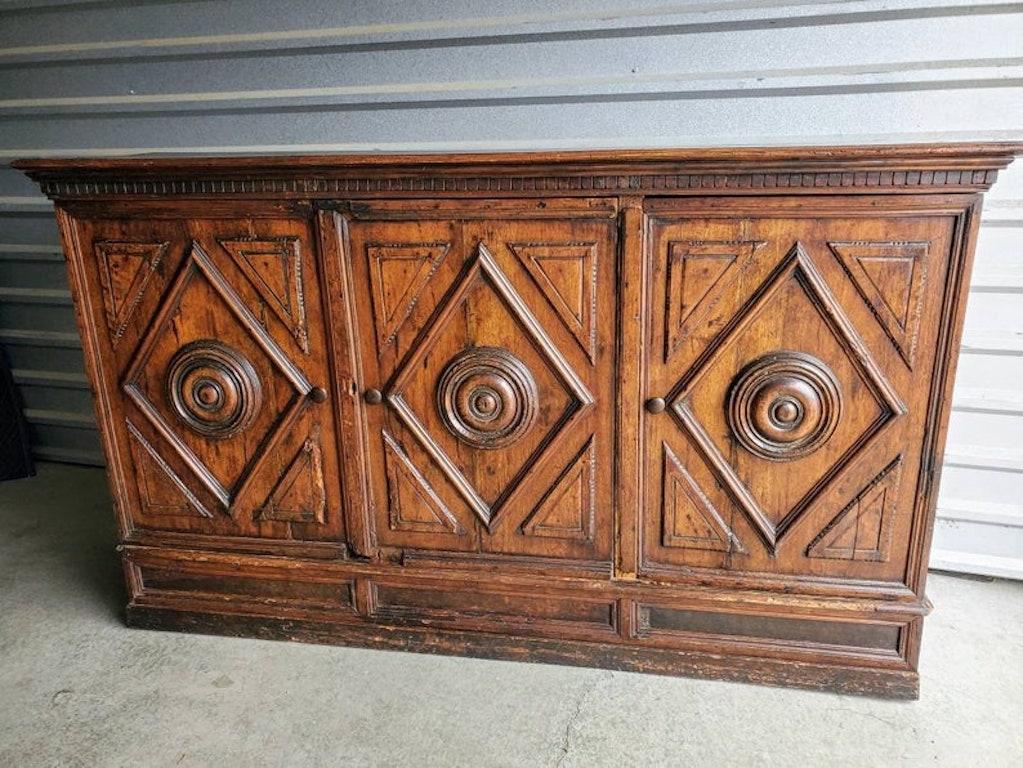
[300, 496]
[690, 519]
[862, 530]
[274, 266]
[695, 270]
[125, 271]
[414, 504]
[398, 273]
[161, 491]
[567, 274]
[567, 511]
[890, 277]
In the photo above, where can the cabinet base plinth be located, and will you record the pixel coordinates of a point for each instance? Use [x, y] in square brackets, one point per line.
[883, 683]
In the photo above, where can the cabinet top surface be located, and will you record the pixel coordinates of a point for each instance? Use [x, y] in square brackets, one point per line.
[983, 154]
[903, 168]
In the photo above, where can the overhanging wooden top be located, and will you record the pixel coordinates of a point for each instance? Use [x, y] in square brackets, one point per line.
[867, 168]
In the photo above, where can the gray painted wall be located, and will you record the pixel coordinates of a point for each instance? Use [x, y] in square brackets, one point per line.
[102, 78]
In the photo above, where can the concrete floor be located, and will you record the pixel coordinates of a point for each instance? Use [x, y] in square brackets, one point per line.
[79, 689]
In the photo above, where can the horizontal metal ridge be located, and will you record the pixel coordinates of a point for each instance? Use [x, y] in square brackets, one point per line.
[33, 338]
[667, 84]
[67, 455]
[983, 457]
[973, 562]
[59, 418]
[980, 512]
[982, 400]
[20, 250]
[992, 343]
[59, 379]
[48, 296]
[202, 33]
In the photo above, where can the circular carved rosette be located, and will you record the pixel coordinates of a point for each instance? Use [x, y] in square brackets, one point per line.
[487, 397]
[213, 388]
[784, 405]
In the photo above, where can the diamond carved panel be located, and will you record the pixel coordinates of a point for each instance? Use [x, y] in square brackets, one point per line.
[808, 397]
[465, 402]
[207, 376]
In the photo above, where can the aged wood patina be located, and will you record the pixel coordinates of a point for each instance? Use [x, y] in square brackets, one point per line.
[666, 411]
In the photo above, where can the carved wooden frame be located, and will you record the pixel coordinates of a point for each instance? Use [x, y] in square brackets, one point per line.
[616, 618]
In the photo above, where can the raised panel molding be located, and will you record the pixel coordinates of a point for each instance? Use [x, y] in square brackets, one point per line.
[567, 274]
[274, 267]
[784, 405]
[237, 383]
[567, 510]
[690, 519]
[862, 530]
[398, 273]
[695, 268]
[161, 491]
[487, 397]
[819, 401]
[482, 272]
[125, 270]
[300, 496]
[414, 504]
[213, 389]
[891, 278]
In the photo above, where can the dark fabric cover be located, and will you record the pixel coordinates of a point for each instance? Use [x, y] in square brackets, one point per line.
[15, 458]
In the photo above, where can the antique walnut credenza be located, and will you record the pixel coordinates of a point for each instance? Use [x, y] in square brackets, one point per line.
[668, 411]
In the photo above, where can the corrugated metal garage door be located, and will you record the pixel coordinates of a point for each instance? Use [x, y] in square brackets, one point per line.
[100, 78]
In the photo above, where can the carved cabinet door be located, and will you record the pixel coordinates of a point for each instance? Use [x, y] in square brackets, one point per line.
[486, 346]
[791, 351]
[213, 330]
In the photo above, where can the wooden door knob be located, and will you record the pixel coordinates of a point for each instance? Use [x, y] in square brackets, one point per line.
[655, 405]
[373, 396]
[318, 395]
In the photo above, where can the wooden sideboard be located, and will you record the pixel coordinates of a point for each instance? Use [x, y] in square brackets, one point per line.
[666, 411]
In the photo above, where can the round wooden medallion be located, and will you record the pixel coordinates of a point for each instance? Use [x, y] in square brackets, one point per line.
[487, 397]
[784, 405]
[213, 389]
